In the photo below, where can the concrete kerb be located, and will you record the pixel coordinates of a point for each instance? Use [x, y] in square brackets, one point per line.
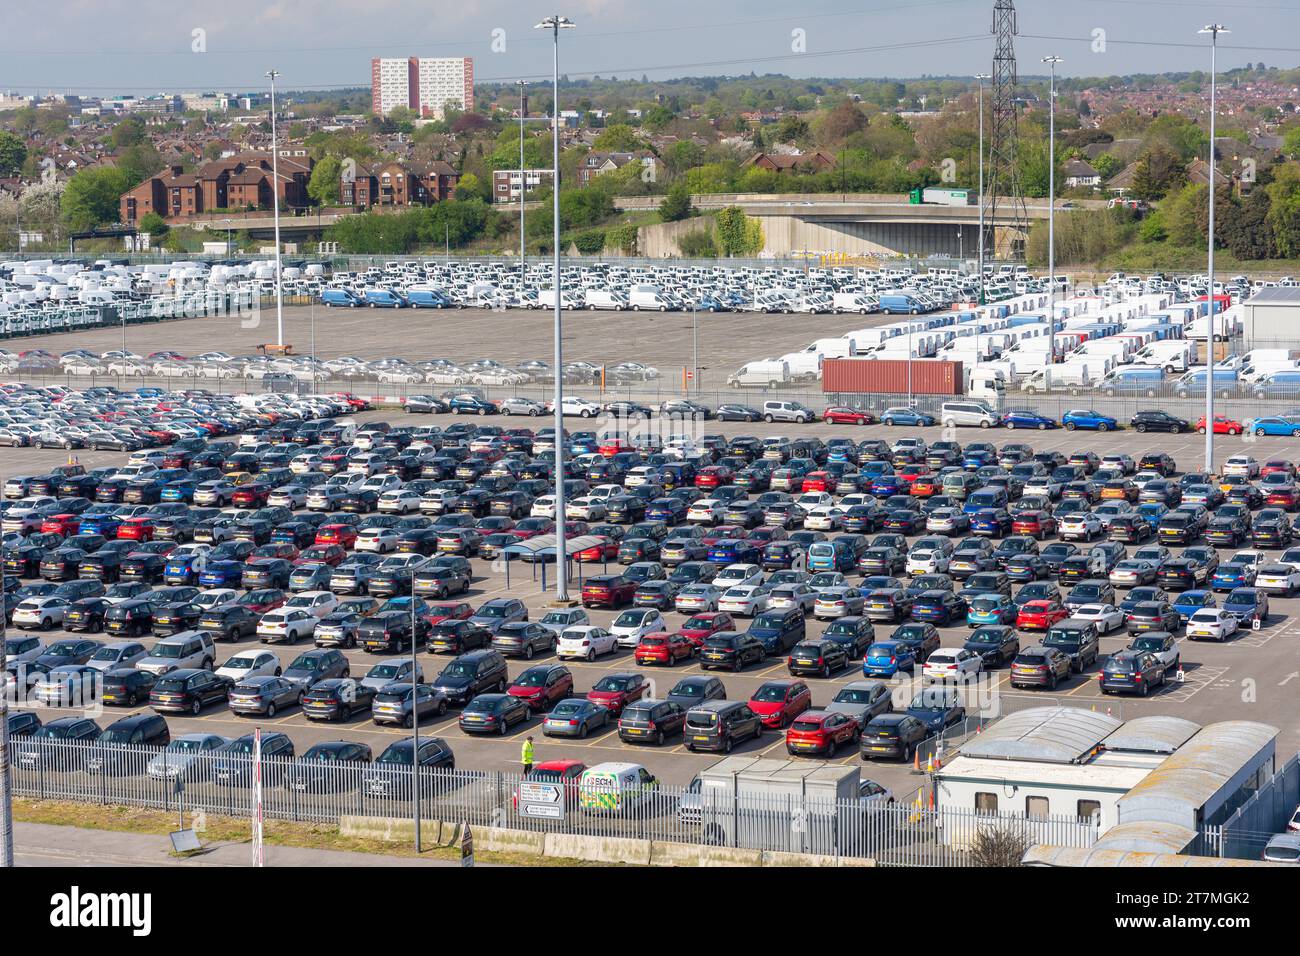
[589, 849]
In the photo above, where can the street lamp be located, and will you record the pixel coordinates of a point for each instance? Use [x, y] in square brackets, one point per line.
[275, 205]
[1213, 29]
[523, 188]
[982, 77]
[555, 24]
[1051, 215]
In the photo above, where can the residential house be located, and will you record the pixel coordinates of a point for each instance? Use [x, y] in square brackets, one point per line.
[791, 163]
[1080, 175]
[394, 183]
[594, 164]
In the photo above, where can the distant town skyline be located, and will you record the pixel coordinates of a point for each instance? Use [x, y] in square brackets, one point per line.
[103, 47]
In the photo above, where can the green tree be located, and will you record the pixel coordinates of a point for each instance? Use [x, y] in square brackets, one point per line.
[712, 177]
[1158, 171]
[657, 118]
[323, 187]
[677, 204]
[153, 224]
[1181, 213]
[683, 155]
[91, 197]
[618, 138]
[737, 234]
[128, 132]
[13, 153]
[1106, 165]
[470, 187]
[138, 162]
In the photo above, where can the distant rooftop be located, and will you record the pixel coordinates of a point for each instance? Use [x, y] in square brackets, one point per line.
[1275, 295]
[1049, 734]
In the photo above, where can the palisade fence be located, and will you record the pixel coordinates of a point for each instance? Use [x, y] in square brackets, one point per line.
[1265, 814]
[179, 781]
[74, 317]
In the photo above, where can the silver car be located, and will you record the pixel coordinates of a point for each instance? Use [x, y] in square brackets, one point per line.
[388, 671]
[188, 757]
[118, 654]
[263, 695]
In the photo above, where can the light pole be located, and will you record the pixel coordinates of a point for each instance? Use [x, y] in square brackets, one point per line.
[555, 24]
[523, 188]
[1051, 215]
[1213, 29]
[415, 725]
[981, 77]
[6, 794]
[275, 205]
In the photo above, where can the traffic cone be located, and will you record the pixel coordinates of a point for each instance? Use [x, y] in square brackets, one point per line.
[929, 764]
[916, 761]
[1181, 676]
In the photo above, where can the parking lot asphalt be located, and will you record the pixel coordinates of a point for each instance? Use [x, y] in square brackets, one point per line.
[726, 340]
[1254, 676]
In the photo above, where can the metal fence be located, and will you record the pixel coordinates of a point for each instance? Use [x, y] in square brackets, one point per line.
[1264, 814]
[183, 781]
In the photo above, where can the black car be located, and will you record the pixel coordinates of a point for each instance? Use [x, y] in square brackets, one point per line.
[1158, 421]
[733, 412]
[731, 650]
[472, 674]
[228, 622]
[390, 777]
[922, 638]
[337, 698]
[86, 614]
[334, 765]
[127, 686]
[853, 633]
[820, 658]
[894, 735]
[390, 631]
[169, 619]
[188, 690]
[1131, 672]
[996, 644]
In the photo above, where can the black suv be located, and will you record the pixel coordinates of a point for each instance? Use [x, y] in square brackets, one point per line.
[720, 725]
[1076, 639]
[1159, 421]
[230, 622]
[650, 721]
[469, 675]
[1130, 671]
[891, 735]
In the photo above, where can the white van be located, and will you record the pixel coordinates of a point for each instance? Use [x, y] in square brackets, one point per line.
[615, 787]
[767, 373]
[606, 299]
[969, 414]
[859, 302]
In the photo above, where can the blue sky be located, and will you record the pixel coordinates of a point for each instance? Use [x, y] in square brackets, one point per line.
[139, 46]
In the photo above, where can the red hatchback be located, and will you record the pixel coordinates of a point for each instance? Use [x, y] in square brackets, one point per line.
[1222, 425]
[136, 529]
[820, 481]
[252, 494]
[344, 535]
[607, 550]
[616, 691]
[700, 627]
[1040, 615]
[61, 524]
[839, 415]
[1037, 524]
[778, 702]
[542, 685]
[820, 732]
[453, 611]
[664, 648]
[331, 554]
[714, 476]
[1278, 466]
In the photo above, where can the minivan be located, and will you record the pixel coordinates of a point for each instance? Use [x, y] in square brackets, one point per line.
[779, 630]
[953, 414]
[788, 412]
[719, 725]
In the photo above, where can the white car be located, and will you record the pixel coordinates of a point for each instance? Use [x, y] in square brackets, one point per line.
[213, 598]
[435, 501]
[695, 598]
[316, 603]
[736, 574]
[585, 509]
[824, 518]
[585, 642]
[1214, 623]
[559, 620]
[288, 496]
[543, 507]
[792, 595]
[377, 540]
[952, 663]
[250, 663]
[1081, 526]
[632, 625]
[1106, 617]
[398, 501]
[1123, 463]
[40, 612]
[815, 499]
[706, 511]
[1244, 465]
[926, 561]
[572, 405]
[285, 625]
[745, 599]
[1277, 579]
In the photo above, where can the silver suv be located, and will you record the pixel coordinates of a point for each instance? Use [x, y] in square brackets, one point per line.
[186, 649]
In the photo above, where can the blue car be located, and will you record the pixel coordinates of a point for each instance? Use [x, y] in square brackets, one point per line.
[471, 405]
[1152, 512]
[887, 658]
[990, 609]
[1088, 419]
[221, 574]
[906, 416]
[1247, 604]
[711, 303]
[886, 485]
[977, 458]
[1189, 602]
[990, 521]
[182, 490]
[1025, 418]
[1232, 575]
[104, 524]
[1273, 425]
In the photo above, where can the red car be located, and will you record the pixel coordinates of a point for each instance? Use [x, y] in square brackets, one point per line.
[608, 590]
[820, 732]
[664, 648]
[261, 600]
[253, 494]
[1287, 498]
[607, 550]
[1038, 524]
[1222, 425]
[542, 685]
[616, 691]
[820, 481]
[531, 527]
[136, 529]
[700, 627]
[927, 486]
[455, 611]
[613, 446]
[714, 476]
[344, 535]
[61, 524]
[357, 404]
[839, 415]
[722, 532]
[1040, 615]
[778, 702]
[1278, 466]
[330, 554]
[909, 474]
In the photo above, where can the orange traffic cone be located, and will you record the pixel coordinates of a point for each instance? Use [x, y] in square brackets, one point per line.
[916, 761]
[1181, 676]
[929, 764]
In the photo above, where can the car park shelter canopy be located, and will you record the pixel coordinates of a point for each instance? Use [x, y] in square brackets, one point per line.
[544, 546]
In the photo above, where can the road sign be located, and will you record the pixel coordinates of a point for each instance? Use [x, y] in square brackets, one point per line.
[544, 800]
[466, 845]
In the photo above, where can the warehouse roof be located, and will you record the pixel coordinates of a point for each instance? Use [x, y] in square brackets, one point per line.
[1276, 295]
[1154, 734]
[1050, 734]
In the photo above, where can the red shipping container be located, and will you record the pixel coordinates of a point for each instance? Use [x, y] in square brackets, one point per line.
[890, 376]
